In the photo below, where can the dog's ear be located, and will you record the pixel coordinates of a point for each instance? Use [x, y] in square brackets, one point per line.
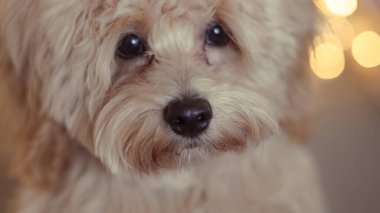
[110, 3]
[31, 37]
[298, 111]
[44, 155]
[15, 33]
[39, 151]
[300, 94]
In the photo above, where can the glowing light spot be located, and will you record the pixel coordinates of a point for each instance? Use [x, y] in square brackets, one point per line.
[322, 7]
[343, 29]
[327, 61]
[328, 38]
[342, 7]
[366, 49]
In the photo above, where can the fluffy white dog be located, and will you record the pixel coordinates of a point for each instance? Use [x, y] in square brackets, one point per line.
[129, 105]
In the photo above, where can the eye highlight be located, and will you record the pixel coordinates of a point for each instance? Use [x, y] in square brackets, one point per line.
[130, 46]
[216, 36]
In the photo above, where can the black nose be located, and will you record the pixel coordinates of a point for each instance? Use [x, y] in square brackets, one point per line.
[188, 117]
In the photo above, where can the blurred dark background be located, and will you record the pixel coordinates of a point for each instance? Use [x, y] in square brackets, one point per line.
[346, 137]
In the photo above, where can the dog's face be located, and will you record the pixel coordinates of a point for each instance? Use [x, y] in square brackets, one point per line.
[160, 84]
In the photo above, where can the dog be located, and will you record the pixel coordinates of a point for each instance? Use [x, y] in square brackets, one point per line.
[159, 106]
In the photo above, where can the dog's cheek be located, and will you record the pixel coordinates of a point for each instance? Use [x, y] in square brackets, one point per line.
[129, 131]
[243, 123]
[221, 56]
[242, 113]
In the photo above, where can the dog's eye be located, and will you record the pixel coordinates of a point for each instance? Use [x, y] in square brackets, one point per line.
[130, 46]
[215, 36]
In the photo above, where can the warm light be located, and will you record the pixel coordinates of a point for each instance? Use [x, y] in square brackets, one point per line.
[342, 29]
[322, 6]
[328, 38]
[342, 7]
[366, 49]
[327, 61]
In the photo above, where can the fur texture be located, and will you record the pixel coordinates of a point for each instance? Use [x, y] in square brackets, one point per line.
[91, 135]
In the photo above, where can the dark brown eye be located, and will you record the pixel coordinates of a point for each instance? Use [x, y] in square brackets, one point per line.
[130, 46]
[216, 36]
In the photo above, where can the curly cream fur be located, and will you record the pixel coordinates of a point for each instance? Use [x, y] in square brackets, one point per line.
[94, 138]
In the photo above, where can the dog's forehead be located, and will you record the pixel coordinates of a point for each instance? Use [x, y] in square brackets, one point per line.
[166, 5]
[173, 23]
[153, 11]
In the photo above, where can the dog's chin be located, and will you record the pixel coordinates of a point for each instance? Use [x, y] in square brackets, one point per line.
[168, 154]
[191, 145]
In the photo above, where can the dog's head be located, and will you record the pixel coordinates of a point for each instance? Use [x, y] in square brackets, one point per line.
[158, 84]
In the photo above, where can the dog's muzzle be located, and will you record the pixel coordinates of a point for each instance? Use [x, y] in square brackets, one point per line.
[189, 117]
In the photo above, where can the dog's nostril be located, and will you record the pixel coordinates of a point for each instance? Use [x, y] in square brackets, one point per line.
[189, 117]
[179, 121]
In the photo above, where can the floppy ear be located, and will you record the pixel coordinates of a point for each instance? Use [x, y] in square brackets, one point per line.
[110, 3]
[25, 38]
[39, 151]
[44, 147]
[299, 107]
[44, 155]
[29, 28]
[300, 96]
[51, 47]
